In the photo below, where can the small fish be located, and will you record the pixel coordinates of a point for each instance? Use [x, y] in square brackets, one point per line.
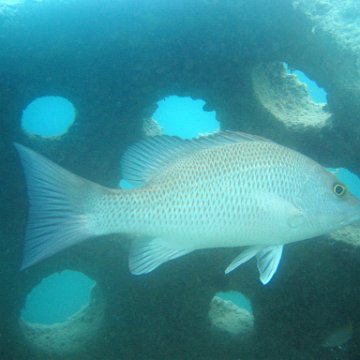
[225, 190]
[339, 337]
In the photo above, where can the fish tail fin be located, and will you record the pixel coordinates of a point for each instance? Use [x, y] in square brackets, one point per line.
[60, 207]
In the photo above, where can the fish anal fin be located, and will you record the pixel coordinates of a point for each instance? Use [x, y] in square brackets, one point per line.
[146, 255]
[268, 259]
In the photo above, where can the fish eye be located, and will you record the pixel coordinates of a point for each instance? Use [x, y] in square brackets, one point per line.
[339, 189]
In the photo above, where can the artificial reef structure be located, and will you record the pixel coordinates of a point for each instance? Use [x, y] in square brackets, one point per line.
[114, 60]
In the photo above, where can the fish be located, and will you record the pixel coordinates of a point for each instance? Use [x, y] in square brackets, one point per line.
[339, 336]
[225, 190]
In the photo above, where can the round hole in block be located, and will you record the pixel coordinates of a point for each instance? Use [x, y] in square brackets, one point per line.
[185, 117]
[286, 98]
[57, 297]
[48, 116]
[63, 315]
[317, 94]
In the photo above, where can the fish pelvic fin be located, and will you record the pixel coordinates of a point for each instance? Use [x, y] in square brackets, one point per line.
[268, 259]
[60, 207]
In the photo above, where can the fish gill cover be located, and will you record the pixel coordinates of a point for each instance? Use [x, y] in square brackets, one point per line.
[114, 61]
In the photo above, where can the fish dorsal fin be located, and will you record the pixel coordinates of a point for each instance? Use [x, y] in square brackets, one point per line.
[151, 155]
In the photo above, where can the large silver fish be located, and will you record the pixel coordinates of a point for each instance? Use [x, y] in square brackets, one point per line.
[225, 190]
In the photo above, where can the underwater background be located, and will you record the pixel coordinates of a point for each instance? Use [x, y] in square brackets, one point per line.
[82, 80]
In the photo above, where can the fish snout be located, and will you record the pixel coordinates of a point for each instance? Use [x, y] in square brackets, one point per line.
[353, 215]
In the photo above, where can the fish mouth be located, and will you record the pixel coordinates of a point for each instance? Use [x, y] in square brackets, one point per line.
[345, 219]
[355, 218]
[352, 215]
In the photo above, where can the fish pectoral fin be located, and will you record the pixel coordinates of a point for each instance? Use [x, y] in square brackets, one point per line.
[268, 260]
[146, 255]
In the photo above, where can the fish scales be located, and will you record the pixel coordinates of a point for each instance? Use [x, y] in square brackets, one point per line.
[218, 194]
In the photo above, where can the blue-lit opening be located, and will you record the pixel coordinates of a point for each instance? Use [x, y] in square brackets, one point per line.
[48, 116]
[183, 117]
[317, 94]
[237, 298]
[57, 297]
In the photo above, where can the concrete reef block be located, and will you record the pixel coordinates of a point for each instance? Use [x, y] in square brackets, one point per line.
[286, 99]
[349, 235]
[338, 18]
[70, 338]
[328, 48]
[226, 316]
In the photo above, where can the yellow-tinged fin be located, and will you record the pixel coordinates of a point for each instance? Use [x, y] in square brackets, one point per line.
[148, 157]
[59, 212]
